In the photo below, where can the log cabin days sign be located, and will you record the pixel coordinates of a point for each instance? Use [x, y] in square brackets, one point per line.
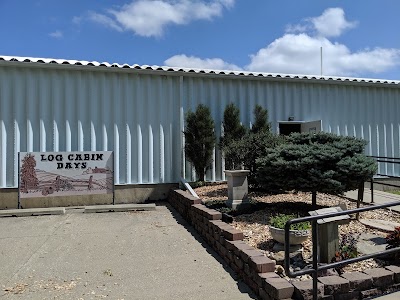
[54, 174]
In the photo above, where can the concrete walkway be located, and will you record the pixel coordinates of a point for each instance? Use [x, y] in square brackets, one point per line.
[391, 296]
[119, 255]
[380, 197]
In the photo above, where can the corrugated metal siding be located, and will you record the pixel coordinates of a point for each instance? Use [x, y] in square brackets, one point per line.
[57, 110]
[140, 115]
[365, 112]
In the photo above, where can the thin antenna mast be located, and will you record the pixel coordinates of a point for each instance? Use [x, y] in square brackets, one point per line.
[321, 61]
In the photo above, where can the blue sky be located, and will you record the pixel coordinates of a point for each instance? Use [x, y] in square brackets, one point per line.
[359, 38]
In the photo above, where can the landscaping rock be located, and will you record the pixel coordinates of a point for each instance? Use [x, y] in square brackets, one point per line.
[292, 248]
[370, 243]
[296, 257]
[383, 225]
[279, 257]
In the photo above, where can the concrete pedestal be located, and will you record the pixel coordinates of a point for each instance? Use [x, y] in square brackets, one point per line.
[328, 236]
[328, 232]
[238, 187]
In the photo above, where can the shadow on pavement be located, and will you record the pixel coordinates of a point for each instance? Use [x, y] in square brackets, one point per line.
[243, 288]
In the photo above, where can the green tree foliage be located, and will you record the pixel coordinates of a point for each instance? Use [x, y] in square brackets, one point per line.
[199, 139]
[244, 147]
[233, 131]
[261, 123]
[251, 147]
[321, 162]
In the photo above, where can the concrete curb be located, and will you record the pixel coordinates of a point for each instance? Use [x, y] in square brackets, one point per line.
[119, 207]
[32, 212]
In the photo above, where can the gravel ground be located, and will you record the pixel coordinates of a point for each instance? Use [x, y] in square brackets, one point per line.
[255, 225]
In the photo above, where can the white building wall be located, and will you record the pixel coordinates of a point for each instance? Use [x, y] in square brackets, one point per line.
[140, 114]
[368, 112]
[59, 110]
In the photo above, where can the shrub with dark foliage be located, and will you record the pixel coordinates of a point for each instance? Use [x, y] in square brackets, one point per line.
[233, 131]
[199, 139]
[242, 147]
[261, 123]
[321, 162]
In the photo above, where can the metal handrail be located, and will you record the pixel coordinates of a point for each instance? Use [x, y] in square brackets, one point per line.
[315, 269]
[388, 176]
[385, 157]
[395, 160]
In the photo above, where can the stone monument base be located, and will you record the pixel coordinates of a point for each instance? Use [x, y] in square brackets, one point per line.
[236, 204]
[237, 188]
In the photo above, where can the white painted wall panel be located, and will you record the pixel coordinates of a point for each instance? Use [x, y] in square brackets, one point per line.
[352, 110]
[61, 110]
[140, 116]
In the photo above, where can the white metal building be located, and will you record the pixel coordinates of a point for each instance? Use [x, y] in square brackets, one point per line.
[138, 111]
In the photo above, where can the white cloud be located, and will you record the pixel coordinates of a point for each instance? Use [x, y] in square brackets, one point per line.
[184, 61]
[300, 54]
[332, 22]
[296, 28]
[56, 34]
[104, 20]
[150, 17]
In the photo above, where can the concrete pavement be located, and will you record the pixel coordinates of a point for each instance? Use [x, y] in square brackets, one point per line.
[391, 296]
[32, 212]
[380, 197]
[119, 255]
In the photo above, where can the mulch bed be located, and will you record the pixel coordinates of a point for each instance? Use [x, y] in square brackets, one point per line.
[254, 223]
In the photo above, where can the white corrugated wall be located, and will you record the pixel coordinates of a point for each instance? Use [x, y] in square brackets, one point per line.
[49, 109]
[368, 112]
[140, 115]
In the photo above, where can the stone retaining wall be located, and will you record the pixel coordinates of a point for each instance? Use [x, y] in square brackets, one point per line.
[257, 270]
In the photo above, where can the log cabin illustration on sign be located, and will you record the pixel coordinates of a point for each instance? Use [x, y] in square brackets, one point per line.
[65, 173]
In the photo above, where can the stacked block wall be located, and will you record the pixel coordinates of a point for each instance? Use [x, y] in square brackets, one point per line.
[258, 271]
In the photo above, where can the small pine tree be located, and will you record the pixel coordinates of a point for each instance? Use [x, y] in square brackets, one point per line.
[245, 147]
[199, 139]
[261, 123]
[233, 131]
[314, 163]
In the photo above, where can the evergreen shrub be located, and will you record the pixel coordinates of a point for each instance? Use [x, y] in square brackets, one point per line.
[321, 162]
[233, 131]
[199, 139]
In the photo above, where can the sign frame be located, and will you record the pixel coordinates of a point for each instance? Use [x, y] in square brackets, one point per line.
[69, 173]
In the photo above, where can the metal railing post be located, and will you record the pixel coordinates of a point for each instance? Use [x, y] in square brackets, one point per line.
[372, 190]
[315, 258]
[316, 268]
[360, 198]
[386, 160]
